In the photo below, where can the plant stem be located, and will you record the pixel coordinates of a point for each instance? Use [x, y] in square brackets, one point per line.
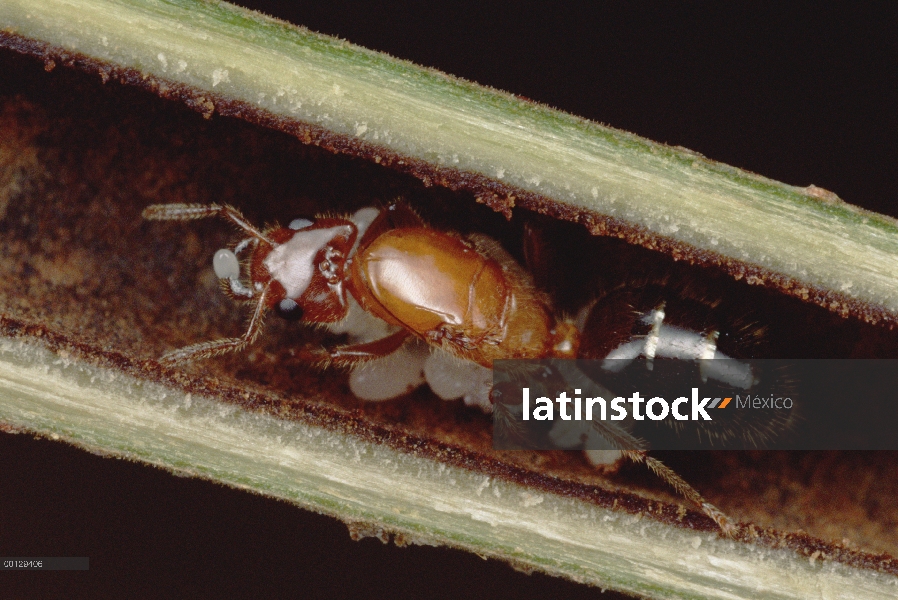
[384, 490]
[803, 240]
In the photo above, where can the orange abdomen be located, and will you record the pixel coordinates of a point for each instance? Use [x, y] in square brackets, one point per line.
[442, 288]
[427, 280]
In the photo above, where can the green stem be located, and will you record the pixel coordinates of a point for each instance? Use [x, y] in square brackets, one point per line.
[422, 500]
[803, 240]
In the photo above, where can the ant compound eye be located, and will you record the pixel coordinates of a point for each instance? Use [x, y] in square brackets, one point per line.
[288, 309]
[226, 264]
[296, 224]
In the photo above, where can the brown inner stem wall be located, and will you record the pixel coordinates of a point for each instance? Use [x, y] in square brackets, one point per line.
[81, 160]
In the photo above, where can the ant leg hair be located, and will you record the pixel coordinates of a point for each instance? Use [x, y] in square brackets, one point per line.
[215, 347]
[685, 490]
[189, 212]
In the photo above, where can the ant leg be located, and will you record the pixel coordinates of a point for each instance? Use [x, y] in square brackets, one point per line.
[189, 212]
[620, 438]
[370, 350]
[537, 256]
[353, 354]
[215, 347]
[685, 490]
[383, 369]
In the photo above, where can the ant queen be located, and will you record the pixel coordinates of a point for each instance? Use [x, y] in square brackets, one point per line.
[418, 305]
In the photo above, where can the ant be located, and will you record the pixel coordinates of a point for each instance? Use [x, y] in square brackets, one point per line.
[418, 305]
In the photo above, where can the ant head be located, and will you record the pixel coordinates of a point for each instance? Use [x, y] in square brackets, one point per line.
[301, 266]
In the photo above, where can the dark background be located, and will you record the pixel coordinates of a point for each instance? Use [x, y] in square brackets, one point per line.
[798, 95]
[803, 96]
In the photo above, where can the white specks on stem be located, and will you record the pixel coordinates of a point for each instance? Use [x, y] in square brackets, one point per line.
[529, 499]
[220, 76]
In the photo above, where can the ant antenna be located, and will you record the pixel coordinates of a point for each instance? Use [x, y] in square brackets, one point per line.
[189, 212]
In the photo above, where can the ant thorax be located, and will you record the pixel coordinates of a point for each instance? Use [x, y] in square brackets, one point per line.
[293, 263]
[414, 363]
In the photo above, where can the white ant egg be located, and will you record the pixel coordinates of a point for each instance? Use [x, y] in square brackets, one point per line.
[226, 264]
